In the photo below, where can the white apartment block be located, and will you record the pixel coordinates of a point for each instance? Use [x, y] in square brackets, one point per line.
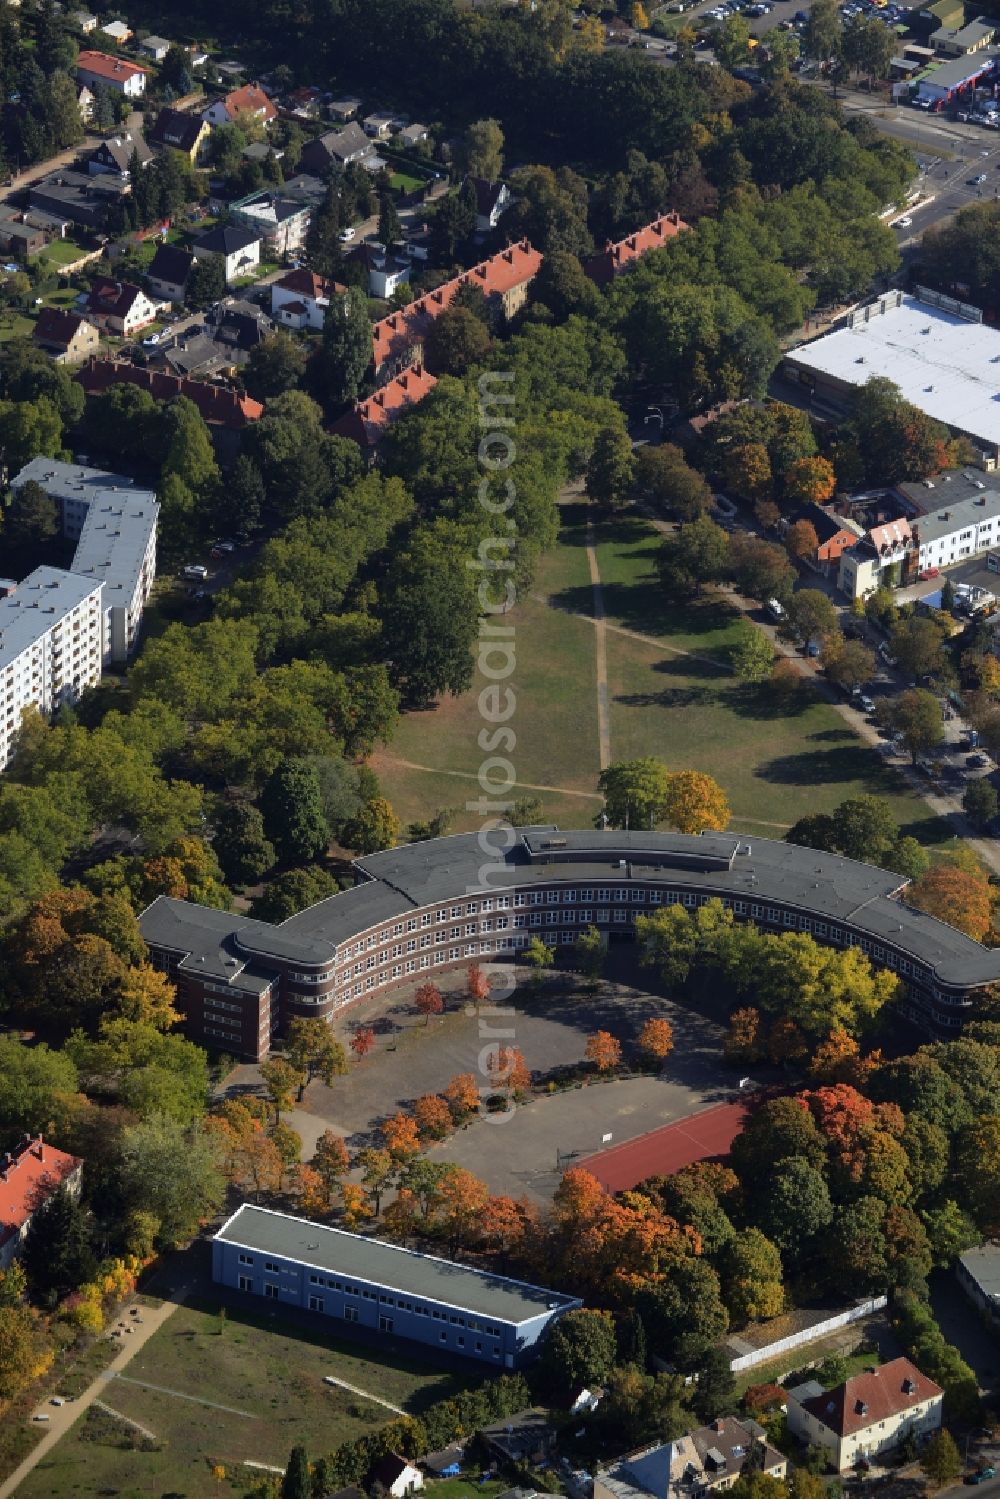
[114, 525]
[867, 1415]
[960, 529]
[51, 646]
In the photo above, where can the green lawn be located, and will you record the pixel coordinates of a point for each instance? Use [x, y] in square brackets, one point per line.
[14, 325]
[270, 1371]
[671, 694]
[404, 182]
[63, 252]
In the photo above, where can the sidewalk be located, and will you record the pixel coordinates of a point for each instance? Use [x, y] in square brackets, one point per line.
[63, 1417]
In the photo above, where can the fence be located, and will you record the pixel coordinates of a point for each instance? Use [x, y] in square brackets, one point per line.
[805, 1335]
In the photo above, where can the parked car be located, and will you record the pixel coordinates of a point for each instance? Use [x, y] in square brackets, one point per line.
[928, 573]
[867, 703]
[981, 1475]
[976, 762]
[195, 571]
[346, 235]
[774, 609]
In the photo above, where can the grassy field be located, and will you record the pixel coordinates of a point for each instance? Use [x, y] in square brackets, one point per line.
[671, 694]
[404, 182]
[249, 1393]
[63, 252]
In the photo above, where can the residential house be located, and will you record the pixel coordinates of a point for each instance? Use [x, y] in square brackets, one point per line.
[180, 132]
[261, 151]
[197, 58]
[978, 1272]
[528, 1436]
[385, 271]
[413, 135]
[382, 123]
[29, 1175]
[337, 148]
[168, 272]
[119, 307]
[368, 421]
[504, 279]
[115, 154]
[345, 109]
[238, 247]
[304, 103]
[84, 21]
[155, 47]
[618, 255]
[960, 41]
[220, 405]
[85, 103]
[93, 68]
[834, 534]
[383, 1288]
[300, 299]
[305, 189]
[708, 1459]
[394, 1476]
[77, 197]
[117, 31]
[21, 239]
[249, 101]
[492, 199]
[879, 560]
[445, 1463]
[67, 336]
[222, 345]
[281, 222]
[868, 1415]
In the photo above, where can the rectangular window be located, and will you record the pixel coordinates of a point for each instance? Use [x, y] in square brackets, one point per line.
[385, 1324]
[316, 1303]
[246, 1282]
[350, 1314]
[270, 1291]
[246, 1259]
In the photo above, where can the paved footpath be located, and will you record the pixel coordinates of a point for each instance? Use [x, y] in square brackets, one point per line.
[63, 1417]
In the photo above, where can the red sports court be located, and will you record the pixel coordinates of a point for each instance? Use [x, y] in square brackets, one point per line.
[667, 1149]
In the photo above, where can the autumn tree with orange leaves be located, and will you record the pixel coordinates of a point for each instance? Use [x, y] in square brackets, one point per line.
[801, 541]
[362, 1041]
[462, 1093]
[433, 1116]
[656, 1038]
[695, 802]
[508, 1071]
[809, 481]
[401, 1135]
[606, 1245]
[604, 1050]
[355, 1205]
[958, 896]
[478, 985]
[428, 1001]
[742, 1042]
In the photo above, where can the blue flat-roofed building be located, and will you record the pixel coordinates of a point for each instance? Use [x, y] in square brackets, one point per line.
[384, 1287]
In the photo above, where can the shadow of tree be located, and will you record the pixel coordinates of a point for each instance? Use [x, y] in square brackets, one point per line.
[819, 766]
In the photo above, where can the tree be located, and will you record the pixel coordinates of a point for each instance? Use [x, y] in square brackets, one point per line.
[958, 896]
[539, 955]
[33, 517]
[918, 646]
[293, 814]
[656, 1038]
[635, 792]
[207, 281]
[456, 341]
[362, 1041]
[433, 1116]
[462, 1093]
[283, 1083]
[698, 553]
[823, 34]
[57, 1257]
[430, 611]
[276, 364]
[811, 615]
[347, 346]
[38, 1089]
[751, 1278]
[355, 1204]
[916, 716]
[801, 541]
[732, 46]
[390, 230]
[695, 802]
[809, 481]
[374, 826]
[297, 1481]
[24, 1355]
[864, 828]
[402, 1138]
[578, 1351]
[481, 150]
[314, 1051]
[868, 47]
[940, 1458]
[980, 803]
[610, 469]
[508, 1070]
[715, 1385]
[428, 1001]
[604, 1050]
[795, 1209]
[752, 653]
[761, 569]
[330, 1161]
[189, 453]
[146, 997]
[170, 1170]
[477, 984]
[590, 953]
[666, 481]
[742, 1038]
[847, 662]
[241, 845]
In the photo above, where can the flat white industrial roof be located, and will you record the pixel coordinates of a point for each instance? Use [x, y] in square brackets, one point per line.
[946, 365]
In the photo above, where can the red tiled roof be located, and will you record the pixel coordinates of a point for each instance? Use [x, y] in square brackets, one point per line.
[112, 298]
[218, 404]
[106, 66]
[250, 98]
[617, 254]
[368, 421]
[501, 273]
[866, 1399]
[55, 325]
[891, 534]
[308, 284]
[28, 1178]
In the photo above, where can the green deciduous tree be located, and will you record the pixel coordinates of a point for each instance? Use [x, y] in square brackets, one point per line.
[347, 346]
[293, 813]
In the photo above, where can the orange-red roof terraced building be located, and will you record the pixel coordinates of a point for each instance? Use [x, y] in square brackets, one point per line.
[29, 1175]
[618, 255]
[368, 421]
[397, 341]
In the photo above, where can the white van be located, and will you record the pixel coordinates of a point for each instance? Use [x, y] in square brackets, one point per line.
[774, 609]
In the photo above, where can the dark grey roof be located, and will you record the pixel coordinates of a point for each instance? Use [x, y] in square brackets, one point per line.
[227, 239]
[982, 1265]
[389, 1265]
[219, 945]
[171, 263]
[339, 917]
